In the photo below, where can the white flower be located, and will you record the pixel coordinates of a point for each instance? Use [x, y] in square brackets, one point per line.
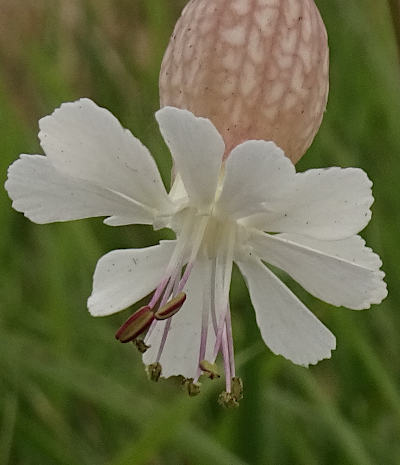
[222, 212]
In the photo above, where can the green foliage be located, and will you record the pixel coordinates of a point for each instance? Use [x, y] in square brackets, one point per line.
[69, 394]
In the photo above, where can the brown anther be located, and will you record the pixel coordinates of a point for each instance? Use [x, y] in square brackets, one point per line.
[135, 325]
[192, 388]
[237, 388]
[154, 371]
[209, 369]
[226, 399]
[171, 307]
[141, 345]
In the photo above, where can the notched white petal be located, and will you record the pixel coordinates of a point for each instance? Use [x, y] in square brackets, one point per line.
[123, 277]
[87, 142]
[327, 204]
[256, 173]
[197, 149]
[287, 327]
[45, 195]
[342, 273]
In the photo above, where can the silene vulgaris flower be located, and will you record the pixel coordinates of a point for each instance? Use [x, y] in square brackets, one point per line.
[251, 208]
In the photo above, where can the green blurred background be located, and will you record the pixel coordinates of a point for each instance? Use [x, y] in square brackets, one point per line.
[71, 395]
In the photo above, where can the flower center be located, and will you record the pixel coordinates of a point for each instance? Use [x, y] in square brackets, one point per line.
[202, 240]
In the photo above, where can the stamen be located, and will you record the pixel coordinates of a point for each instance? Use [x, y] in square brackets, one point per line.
[227, 366]
[171, 280]
[185, 277]
[228, 326]
[212, 296]
[195, 250]
[224, 264]
[174, 265]
[171, 307]
[158, 292]
[204, 321]
[237, 388]
[154, 371]
[218, 341]
[172, 284]
[231, 399]
[210, 369]
[135, 325]
[226, 399]
[175, 278]
[163, 339]
[167, 326]
[192, 387]
[141, 346]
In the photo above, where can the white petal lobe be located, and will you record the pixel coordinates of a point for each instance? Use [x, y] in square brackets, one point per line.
[255, 173]
[123, 277]
[352, 249]
[87, 142]
[328, 204]
[287, 326]
[197, 149]
[341, 272]
[45, 195]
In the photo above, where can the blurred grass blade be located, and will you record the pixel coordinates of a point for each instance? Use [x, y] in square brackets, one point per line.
[346, 437]
[8, 422]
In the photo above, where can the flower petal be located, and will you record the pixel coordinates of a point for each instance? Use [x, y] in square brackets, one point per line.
[197, 149]
[341, 272]
[45, 195]
[123, 277]
[255, 173]
[287, 326]
[88, 142]
[328, 204]
[180, 355]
